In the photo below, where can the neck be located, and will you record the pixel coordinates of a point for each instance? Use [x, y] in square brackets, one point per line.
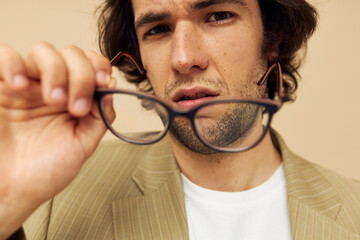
[230, 172]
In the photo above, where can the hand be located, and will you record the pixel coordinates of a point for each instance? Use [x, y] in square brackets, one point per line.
[49, 124]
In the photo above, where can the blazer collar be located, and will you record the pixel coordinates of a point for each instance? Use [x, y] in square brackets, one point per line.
[306, 183]
[160, 212]
[313, 202]
[156, 167]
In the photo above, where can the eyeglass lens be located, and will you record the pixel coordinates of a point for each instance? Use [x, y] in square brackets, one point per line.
[135, 118]
[231, 125]
[223, 126]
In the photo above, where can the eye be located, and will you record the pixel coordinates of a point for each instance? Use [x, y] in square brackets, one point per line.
[157, 30]
[219, 17]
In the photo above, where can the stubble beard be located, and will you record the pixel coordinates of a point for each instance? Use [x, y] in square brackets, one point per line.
[233, 126]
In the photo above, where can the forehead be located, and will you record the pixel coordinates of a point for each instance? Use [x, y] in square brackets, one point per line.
[141, 7]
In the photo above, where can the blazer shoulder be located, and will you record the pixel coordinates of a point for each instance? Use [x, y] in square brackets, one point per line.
[349, 192]
[345, 186]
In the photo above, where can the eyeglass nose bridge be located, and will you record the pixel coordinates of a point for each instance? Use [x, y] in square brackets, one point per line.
[188, 114]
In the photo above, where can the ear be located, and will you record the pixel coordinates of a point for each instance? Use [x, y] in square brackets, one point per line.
[273, 52]
[272, 43]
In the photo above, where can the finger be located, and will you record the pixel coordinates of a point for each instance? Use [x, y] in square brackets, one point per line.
[45, 63]
[12, 68]
[81, 81]
[108, 108]
[29, 99]
[102, 68]
[91, 129]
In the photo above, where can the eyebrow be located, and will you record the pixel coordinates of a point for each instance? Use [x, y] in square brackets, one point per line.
[149, 18]
[152, 17]
[208, 3]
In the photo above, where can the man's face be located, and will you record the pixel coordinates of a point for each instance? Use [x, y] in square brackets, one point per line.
[194, 50]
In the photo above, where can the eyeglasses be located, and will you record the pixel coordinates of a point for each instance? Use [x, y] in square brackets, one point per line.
[225, 124]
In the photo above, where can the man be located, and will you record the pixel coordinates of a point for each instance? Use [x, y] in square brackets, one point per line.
[190, 49]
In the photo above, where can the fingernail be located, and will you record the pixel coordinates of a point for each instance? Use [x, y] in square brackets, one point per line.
[82, 106]
[101, 78]
[108, 101]
[58, 94]
[108, 108]
[20, 81]
[108, 80]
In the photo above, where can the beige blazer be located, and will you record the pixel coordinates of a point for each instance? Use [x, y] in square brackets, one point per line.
[135, 192]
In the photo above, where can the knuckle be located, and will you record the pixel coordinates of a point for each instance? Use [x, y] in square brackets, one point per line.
[71, 49]
[10, 61]
[82, 86]
[91, 53]
[7, 53]
[20, 114]
[40, 46]
[6, 49]
[55, 64]
[96, 56]
[54, 68]
[85, 81]
[46, 56]
[99, 61]
[82, 75]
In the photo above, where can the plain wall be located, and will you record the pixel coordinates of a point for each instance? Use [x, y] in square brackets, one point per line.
[322, 125]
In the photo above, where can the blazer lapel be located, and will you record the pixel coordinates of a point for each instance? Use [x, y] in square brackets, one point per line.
[313, 202]
[160, 212]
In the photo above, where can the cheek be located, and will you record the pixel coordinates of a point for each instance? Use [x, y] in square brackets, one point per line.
[243, 48]
[156, 70]
[157, 86]
[234, 56]
[237, 57]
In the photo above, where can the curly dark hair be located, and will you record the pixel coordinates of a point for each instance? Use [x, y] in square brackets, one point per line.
[288, 24]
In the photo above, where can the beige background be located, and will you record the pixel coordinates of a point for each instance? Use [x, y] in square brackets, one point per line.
[322, 125]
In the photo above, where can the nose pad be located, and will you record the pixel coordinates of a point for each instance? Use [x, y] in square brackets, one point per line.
[187, 52]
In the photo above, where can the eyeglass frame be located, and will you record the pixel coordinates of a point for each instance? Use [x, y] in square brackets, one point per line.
[271, 105]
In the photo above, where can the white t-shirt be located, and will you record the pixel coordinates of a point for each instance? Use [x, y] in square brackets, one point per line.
[258, 213]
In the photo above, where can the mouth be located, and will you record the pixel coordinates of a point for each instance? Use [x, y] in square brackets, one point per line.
[187, 98]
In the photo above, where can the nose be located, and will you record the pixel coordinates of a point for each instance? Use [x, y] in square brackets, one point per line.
[187, 50]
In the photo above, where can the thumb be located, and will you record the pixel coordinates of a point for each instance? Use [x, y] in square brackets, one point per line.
[90, 130]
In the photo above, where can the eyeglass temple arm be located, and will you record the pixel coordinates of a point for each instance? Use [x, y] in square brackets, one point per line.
[279, 78]
[120, 54]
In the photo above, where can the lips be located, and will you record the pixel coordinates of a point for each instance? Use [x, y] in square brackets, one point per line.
[187, 98]
[193, 97]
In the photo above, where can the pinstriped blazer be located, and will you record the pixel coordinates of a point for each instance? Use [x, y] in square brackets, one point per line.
[135, 192]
